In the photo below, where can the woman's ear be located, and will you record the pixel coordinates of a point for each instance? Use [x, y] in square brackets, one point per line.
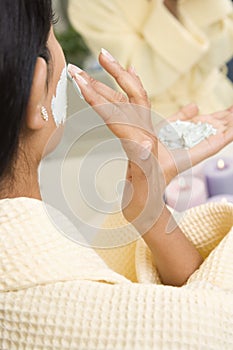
[34, 119]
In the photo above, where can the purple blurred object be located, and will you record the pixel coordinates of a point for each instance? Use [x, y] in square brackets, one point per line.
[185, 192]
[221, 198]
[219, 176]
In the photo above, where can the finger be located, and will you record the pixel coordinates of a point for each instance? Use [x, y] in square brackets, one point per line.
[117, 121]
[209, 118]
[133, 113]
[124, 125]
[129, 83]
[211, 146]
[206, 148]
[132, 71]
[185, 113]
[229, 118]
[219, 123]
[228, 135]
[102, 89]
[220, 114]
[111, 114]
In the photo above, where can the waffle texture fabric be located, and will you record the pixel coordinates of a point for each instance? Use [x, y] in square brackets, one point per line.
[179, 60]
[55, 294]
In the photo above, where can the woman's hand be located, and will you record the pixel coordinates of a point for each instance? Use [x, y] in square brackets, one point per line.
[174, 162]
[129, 118]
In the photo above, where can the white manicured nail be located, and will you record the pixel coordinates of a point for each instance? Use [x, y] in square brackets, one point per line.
[146, 150]
[108, 55]
[77, 89]
[72, 69]
[81, 79]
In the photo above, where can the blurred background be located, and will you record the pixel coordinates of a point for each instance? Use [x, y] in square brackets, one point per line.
[72, 43]
[111, 166]
[74, 47]
[76, 52]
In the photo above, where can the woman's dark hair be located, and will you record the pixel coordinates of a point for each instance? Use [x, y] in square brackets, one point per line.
[24, 30]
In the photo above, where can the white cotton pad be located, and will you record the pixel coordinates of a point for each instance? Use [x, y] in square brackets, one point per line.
[185, 135]
[59, 102]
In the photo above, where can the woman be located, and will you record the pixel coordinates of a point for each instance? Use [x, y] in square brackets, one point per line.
[56, 294]
[178, 48]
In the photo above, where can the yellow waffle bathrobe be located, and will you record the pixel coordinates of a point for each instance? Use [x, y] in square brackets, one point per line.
[55, 294]
[179, 61]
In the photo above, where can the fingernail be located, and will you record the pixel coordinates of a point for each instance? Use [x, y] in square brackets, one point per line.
[108, 55]
[77, 88]
[81, 79]
[146, 150]
[72, 69]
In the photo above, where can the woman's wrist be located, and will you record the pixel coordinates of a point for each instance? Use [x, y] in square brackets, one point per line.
[161, 223]
[174, 255]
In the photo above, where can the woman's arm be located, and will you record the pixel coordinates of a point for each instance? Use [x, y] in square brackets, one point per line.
[143, 206]
[129, 118]
[174, 255]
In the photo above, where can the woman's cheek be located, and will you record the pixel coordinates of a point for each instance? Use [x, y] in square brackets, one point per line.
[59, 100]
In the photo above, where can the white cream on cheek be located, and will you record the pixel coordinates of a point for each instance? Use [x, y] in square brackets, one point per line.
[59, 102]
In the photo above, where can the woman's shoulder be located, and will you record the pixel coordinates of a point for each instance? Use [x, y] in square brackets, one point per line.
[35, 252]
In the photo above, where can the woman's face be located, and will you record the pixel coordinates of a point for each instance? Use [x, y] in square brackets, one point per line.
[58, 65]
[56, 96]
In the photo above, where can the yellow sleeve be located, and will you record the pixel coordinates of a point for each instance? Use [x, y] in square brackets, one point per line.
[210, 228]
